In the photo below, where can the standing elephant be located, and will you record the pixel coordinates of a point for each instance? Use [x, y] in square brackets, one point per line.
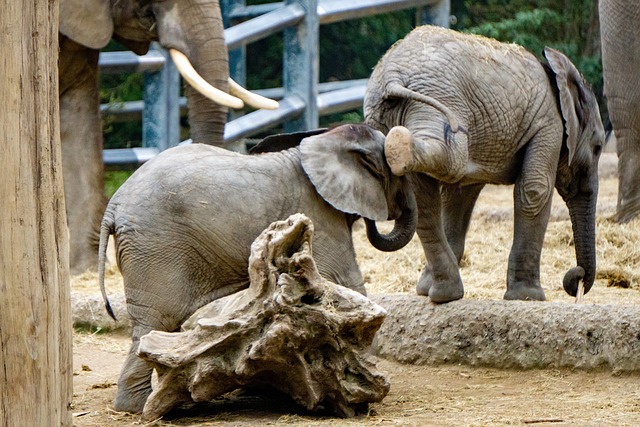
[620, 37]
[462, 111]
[190, 29]
[184, 223]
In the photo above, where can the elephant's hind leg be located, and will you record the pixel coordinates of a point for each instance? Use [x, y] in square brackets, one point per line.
[134, 383]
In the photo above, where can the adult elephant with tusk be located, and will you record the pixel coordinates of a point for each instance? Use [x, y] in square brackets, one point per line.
[462, 111]
[192, 31]
[185, 221]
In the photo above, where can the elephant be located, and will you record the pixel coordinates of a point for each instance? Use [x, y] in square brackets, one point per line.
[184, 223]
[190, 29]
[620, 44]
[461, 111]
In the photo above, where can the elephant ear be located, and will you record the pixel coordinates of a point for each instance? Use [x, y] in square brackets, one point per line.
[87, 22]
[572, 94]
[283, 141]
[346, 166]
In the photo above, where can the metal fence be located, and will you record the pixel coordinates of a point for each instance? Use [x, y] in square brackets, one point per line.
[302, 98]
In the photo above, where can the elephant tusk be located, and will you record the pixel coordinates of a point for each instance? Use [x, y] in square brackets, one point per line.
[580, 292]
[194, 79]
[251, 98]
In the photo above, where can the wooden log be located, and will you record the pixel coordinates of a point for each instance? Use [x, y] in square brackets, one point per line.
[35, 314]
[291, 330]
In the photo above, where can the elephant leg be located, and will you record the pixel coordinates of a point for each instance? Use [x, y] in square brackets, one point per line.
[457, 206]
[532, 204]
[440, 278]
[620, 40]
[82, 166]
[134, 383]
[628, 146]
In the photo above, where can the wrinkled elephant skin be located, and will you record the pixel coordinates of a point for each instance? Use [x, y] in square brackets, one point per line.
[620, 40]
[462, 111]
[185, 221]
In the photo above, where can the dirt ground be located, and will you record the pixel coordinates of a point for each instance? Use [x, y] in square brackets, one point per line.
[447, 395]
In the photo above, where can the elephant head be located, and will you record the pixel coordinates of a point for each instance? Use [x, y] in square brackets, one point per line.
[577, 176]
[348, 169]
[192, 31]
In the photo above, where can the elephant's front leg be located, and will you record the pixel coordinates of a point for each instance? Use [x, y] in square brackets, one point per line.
[81, 140]
[532, 201]
[440, 279]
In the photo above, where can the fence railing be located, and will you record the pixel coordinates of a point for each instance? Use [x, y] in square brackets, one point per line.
[302, 98]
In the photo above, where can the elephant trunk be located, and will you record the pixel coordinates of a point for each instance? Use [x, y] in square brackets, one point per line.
[582, 210]
[403, 229]
[207, 118]
[195, 29]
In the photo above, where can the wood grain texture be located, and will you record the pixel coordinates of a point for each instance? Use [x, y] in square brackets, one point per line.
[35, 325]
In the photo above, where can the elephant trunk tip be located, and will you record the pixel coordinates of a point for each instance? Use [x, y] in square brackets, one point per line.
[572, 278]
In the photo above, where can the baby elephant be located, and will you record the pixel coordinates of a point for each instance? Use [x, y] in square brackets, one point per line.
[462, 111]
[184, 223]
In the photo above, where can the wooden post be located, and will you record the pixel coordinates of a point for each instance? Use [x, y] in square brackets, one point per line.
[35, 322]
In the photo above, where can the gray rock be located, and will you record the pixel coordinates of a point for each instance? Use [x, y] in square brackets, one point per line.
[509, 334]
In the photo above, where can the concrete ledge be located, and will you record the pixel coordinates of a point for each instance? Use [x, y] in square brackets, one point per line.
[509, 334]
[88, 311]
[501, 334]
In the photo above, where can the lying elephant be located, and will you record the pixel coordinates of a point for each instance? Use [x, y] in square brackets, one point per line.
[184, 223]
[462, 111]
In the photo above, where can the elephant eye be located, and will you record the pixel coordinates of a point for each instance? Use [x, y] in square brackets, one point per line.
[392, 103]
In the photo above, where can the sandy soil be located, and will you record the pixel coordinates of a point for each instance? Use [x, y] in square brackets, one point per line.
[420, 396]
[449, 395]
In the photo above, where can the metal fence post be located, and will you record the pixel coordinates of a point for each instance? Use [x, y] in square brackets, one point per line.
[237, 57]
[161, 115]
[436, 14]
[301, 65]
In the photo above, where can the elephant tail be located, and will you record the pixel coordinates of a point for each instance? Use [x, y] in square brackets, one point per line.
[395, 89]
[107, 228]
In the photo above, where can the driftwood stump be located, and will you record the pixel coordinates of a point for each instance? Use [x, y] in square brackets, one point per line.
[291, 330]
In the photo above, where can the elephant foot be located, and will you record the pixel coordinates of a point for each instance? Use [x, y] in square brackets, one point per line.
[134, 384]
[525, 292]
[398, 150]
[439, 292]
[424, 282]
[131, 400]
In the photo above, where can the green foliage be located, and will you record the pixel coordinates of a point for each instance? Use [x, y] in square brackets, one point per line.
[570, 26]
[115, 90]
[113, 180]
[350, 49]
[530, 29]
